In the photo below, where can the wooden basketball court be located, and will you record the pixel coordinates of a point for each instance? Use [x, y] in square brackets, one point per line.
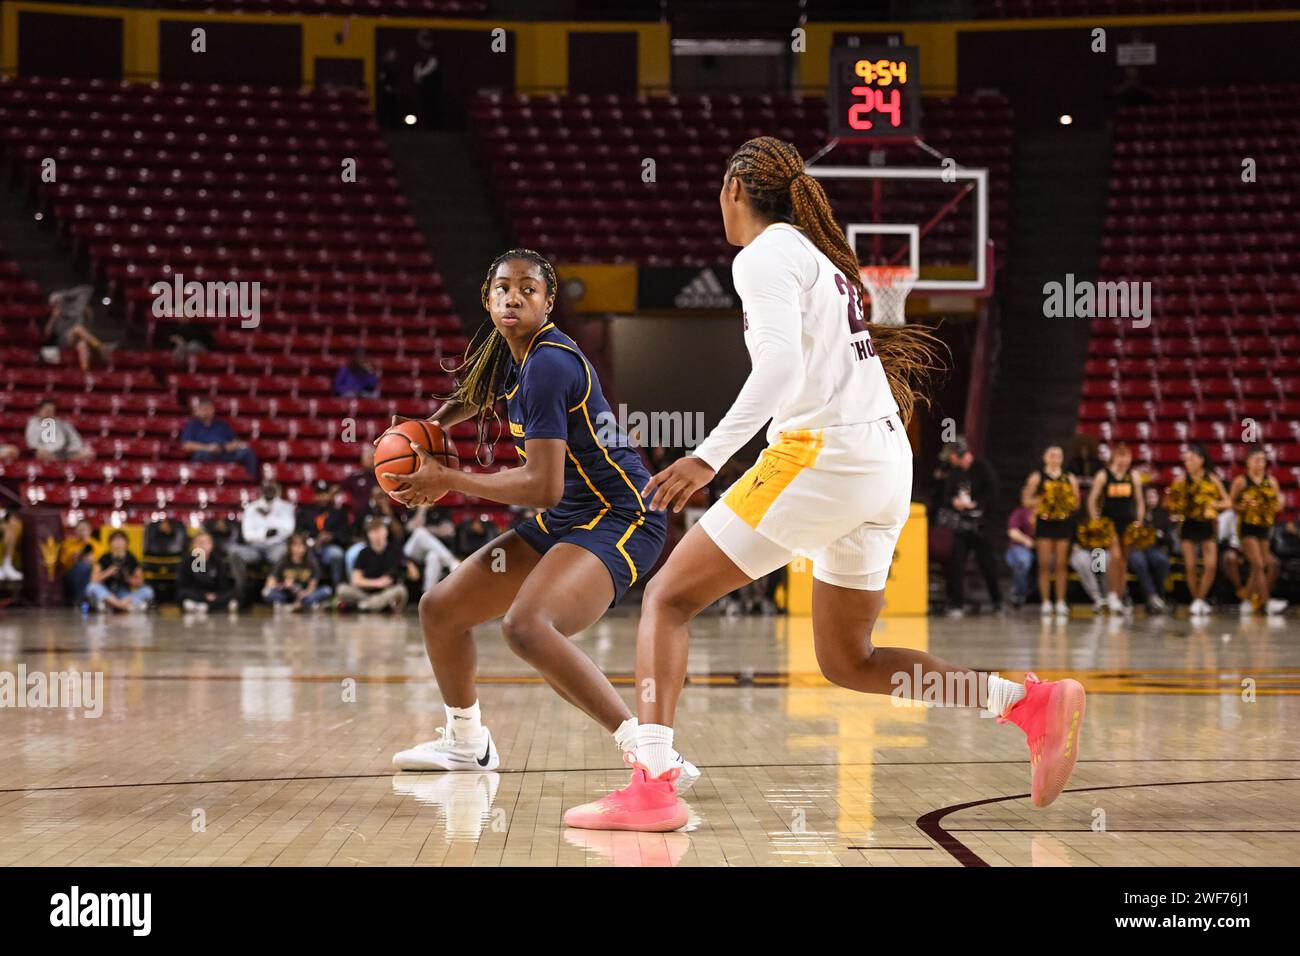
[266, 740]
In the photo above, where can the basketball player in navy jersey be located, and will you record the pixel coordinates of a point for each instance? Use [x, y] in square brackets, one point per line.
[556, 574]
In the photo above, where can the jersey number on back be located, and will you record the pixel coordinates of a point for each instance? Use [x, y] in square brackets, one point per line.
[857, 323]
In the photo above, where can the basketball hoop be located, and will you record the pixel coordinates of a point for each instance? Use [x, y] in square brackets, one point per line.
[888, 286]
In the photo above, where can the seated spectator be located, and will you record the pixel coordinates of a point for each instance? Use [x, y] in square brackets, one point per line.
[77, 556]
[426, 549]
[203, 579]
[383, 508]
[66, 328]
[357, 377]
[379, 575]
[117, 582]
[358, 485]
[11, 532]
[473, 533]
[266, 525]
[295, 581]
[186, 339]
[1151, 565]
[223, 536]
[208, 438]
[1091, 569]
[327, 526]
[8, 453]
[53, 438]
[1020, 552]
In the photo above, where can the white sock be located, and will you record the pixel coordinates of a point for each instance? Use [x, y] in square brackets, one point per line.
[463, 722]
[625, 736]
[654, 748]
[1003, 694]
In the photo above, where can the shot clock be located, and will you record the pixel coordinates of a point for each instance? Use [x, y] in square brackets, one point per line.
[874, 92]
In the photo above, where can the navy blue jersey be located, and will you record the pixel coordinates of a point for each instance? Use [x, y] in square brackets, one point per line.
[553, 393]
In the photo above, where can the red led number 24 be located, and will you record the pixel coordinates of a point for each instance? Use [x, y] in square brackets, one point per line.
[875, 101]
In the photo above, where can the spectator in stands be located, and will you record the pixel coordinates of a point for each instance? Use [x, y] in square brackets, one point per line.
[379, 575]
[186, 339]
[356, 377]
[327, 526]
[1020, 553]
[77, 556]
[473, 533]
[1151, 565]
[8, 453]
[425, 548]
[295, 581]
[387, 89]
[383, 508]
[11, 533]
[53, 438]
[267, 523]
[970, 489]
[208, 438]
[117, 582]
[1089, 567]
[428, 80]
[359, 484]
[66, 328]
[203, 579]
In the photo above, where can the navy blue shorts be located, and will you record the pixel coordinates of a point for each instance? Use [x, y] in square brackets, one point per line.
[627, 542]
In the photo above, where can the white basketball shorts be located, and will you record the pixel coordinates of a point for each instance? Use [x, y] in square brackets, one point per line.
[839, 495]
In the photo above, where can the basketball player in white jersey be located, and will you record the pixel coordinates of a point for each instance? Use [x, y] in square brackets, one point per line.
[834, 484]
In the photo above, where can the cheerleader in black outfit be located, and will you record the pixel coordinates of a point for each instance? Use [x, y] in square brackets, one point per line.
[1053, 494]
[1256, 497]
[1117, 494]
[1198, 497]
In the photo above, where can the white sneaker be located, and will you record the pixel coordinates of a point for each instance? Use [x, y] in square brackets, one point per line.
[189, 607]
[1114, 604]
[1157, 605]
[9, 573]
[1046, 609]
[449, 753]
[1275, 606]
[1247, 609]
[1199, 608]
[690, 772]
[1062, 609]
[232, 606]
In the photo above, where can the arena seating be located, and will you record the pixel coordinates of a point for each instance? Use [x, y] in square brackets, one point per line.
[568, 169]
[220, 183]
[1221, 255]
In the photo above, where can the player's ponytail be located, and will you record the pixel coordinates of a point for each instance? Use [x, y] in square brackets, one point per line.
[481, 374]
[780, 190]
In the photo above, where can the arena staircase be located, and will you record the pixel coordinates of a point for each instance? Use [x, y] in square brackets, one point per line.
[1057, 214]
[452, 204]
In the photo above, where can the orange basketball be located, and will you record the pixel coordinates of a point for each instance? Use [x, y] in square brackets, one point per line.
[393, 454]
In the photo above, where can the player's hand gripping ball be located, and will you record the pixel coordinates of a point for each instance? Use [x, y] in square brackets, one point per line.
[413, 460]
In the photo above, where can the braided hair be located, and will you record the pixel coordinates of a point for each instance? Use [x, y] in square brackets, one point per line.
[780, 190]
[481, 374]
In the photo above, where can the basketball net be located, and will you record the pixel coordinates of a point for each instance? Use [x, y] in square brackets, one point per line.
[888, 287]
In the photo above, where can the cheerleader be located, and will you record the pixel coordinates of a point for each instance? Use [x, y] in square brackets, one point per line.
[1116, 497]
[1053, 494]
[1257, 499]
[1197, 499]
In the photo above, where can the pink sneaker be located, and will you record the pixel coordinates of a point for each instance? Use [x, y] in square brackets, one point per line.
[647, 803]
[1051, 715]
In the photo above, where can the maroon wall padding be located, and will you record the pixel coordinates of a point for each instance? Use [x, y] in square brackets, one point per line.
[42, 535]
[1049, 72]
[269, 53]
[603, 63]
[65, 44]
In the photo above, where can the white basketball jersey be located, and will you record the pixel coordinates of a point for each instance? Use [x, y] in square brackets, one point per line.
[814, 364]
